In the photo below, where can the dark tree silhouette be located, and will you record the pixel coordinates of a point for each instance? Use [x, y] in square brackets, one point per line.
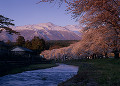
[20, 41]
[28, 44]
[5, 23]
[38, 44]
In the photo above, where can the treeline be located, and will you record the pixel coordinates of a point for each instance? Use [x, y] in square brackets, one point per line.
[38, 45]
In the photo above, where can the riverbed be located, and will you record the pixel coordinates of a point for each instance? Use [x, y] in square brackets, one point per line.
[43, 77]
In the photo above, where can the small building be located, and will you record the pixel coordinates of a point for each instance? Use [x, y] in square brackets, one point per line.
[22, 51]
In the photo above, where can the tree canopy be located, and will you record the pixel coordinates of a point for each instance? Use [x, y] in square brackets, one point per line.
[38, 44]
[95, 16]
[99, 14]
[20, 41]
[5, 24]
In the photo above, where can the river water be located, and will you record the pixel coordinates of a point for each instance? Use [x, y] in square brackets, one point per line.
[43, 77]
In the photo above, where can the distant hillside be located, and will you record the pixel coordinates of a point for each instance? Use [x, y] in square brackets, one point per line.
[47, 31]
[55, 44]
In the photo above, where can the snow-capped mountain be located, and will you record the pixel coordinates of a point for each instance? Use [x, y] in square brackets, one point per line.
[47, 31]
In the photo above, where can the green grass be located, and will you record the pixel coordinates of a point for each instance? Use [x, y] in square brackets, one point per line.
[29, 68]
[105, 72]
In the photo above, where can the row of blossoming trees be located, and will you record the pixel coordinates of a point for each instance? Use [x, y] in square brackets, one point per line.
[101, 35]
[94, 44]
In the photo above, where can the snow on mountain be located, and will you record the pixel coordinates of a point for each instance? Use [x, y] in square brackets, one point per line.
[47, 31]
[75, 28]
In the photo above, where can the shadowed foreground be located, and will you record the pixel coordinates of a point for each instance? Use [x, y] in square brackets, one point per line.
[95, 72]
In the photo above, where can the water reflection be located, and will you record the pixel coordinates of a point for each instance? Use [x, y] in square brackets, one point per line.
[43, 77]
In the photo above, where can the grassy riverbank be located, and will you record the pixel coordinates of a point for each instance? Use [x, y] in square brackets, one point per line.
[96, 72]
[27, 68]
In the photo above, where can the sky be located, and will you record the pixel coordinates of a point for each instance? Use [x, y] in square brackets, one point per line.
[25, 12]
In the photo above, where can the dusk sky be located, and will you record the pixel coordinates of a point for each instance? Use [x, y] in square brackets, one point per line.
[25, 12]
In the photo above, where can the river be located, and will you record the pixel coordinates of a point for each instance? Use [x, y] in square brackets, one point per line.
[43, 77]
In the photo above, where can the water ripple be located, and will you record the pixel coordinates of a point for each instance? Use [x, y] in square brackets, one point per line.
[42, 77]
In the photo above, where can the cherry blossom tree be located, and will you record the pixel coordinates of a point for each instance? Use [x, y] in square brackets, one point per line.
[97, 15]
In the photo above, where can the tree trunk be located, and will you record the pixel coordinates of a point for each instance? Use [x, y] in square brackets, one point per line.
[106, 56]
[116, 54]
[94, 56]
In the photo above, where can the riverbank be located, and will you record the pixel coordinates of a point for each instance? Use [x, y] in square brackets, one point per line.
[95, 72]
[6, 70]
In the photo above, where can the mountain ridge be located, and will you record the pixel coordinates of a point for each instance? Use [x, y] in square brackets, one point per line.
[47, 31]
